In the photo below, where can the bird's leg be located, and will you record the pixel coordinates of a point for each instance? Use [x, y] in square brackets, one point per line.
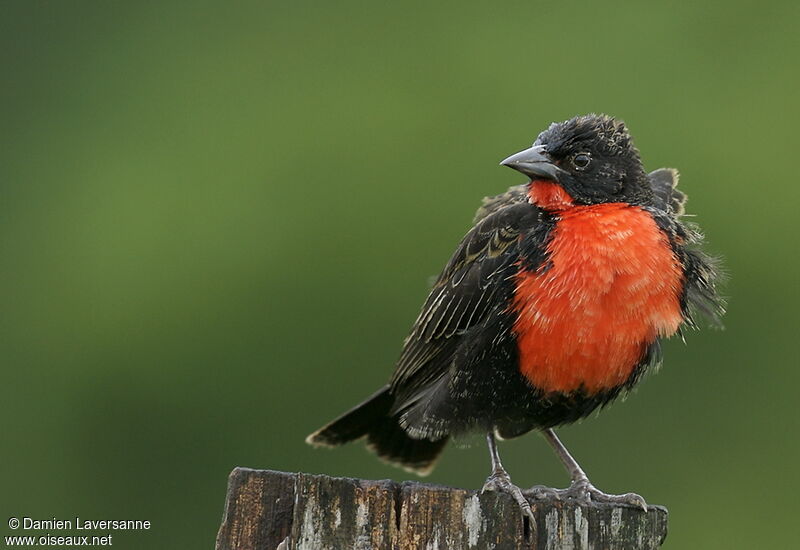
[501, 481]
[581, 488]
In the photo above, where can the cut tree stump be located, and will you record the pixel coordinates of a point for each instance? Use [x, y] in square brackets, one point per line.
[269, 510]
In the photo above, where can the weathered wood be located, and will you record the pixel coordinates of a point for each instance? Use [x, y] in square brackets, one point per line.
[268, 510]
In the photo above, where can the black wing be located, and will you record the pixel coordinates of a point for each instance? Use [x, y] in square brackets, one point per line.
[490, 205]
[469, 287]
[664, 183]
[702, 272]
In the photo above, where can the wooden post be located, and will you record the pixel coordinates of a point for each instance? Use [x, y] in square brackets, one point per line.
[268, 510]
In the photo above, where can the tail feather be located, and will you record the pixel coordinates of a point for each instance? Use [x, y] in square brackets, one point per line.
[385, 436]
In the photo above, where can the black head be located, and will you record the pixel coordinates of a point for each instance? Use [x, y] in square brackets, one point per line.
[591, 157]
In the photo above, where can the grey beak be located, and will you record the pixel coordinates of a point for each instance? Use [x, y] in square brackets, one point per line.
[534, 163]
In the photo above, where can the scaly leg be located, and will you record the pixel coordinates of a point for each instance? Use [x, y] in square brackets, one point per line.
[581, 488]
[501, 481]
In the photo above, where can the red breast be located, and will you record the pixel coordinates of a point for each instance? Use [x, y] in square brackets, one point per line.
[610, 287]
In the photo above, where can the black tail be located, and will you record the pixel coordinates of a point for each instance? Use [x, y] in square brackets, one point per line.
[384, 435]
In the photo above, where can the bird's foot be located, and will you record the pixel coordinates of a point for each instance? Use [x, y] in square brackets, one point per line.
[500, 481]
[583, 492]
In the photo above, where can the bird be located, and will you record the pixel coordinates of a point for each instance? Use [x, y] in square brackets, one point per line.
[552, 306]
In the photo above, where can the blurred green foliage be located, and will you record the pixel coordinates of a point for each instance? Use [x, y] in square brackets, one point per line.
[218, 220]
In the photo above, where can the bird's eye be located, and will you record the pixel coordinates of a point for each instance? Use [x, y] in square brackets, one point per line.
[581, 160]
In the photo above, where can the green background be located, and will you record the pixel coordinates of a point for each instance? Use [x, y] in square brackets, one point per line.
[218, 221]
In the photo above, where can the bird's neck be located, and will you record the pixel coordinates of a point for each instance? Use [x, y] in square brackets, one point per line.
[549, 196]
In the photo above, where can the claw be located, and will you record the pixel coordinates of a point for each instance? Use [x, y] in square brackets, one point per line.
[585, 493]
[501, 482]
[633, 499]
[541, 492]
